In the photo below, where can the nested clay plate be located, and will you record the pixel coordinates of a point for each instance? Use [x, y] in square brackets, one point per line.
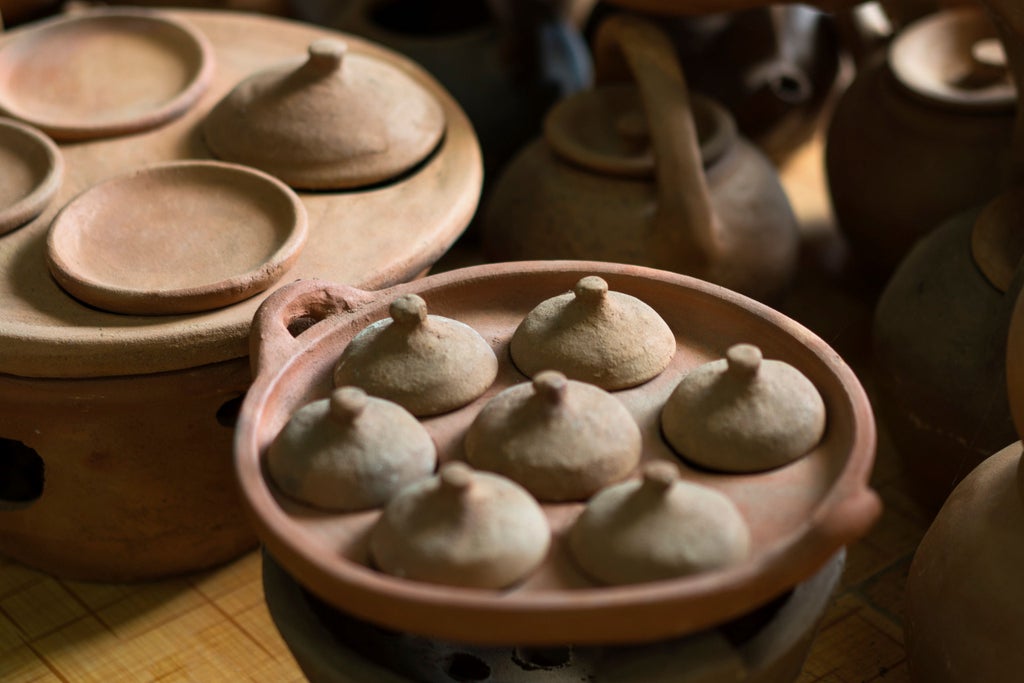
[32, 167]
[104, 73]
[799, 515]
[176, 238]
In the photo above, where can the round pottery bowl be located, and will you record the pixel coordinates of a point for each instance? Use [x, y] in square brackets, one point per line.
[799, 515]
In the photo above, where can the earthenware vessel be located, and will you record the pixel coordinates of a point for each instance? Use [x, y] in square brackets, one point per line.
[940, 329]
[817, 504]
[138, 410]
[636, 174]
[33, 170]
[922, 133]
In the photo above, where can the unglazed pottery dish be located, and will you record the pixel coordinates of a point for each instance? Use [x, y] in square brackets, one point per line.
[798, 515]
[332, 120]
[138, 410]
[33, 169]
[104, 73]
[207, 234]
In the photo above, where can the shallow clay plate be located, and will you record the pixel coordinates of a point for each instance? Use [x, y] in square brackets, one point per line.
[176, 238]
[799, 515]
[103, 73]
[32, 167]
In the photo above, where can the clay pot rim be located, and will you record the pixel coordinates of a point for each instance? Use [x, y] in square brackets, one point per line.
[32, 204]
[931, 88]
[200, 296]
[195, 47]
[619, 614]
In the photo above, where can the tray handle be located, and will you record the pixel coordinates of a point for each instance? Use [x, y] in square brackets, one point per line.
[290, 311]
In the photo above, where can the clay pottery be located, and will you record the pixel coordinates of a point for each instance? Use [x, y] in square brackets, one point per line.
[91, 88]
[645, 174]
[798, 515]
[505, 62]
[137, 409]
[33, 169]
[768, 645]
[922, 133]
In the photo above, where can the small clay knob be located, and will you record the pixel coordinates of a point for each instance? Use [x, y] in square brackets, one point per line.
[988, 59]
[456, 477]
[347, 404]
[591, 290]
[408, 310]
[551, 387]
[327, 54]
[659, 475]
[743, 361]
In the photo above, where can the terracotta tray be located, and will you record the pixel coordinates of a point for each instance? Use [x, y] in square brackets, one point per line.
[32, 168]
[97, 75]
[799, 515]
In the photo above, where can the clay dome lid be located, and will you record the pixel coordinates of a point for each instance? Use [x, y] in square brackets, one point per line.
[658, 527]
[333, 121]
[427, 364]
[561, 439]
[954, 58]
[461, 528]
[744, 413]
[350, 452]
[594, 335]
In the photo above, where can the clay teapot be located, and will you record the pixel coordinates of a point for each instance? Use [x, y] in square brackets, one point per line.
[645, 174]
[921, 134]
[940, 328]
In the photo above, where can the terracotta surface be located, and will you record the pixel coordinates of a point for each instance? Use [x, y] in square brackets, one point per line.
[33, 169]
[213, 234]
[645, 176]
[96, 75]
[161, 469]
[817, 505]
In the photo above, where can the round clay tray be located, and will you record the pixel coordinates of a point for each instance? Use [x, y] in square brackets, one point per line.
[799, 515]
[32, 169]
[59, 75]
[176, 238]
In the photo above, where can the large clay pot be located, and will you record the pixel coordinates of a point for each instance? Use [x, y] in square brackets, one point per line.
[696, 199]
[115, 429]
[918, 137]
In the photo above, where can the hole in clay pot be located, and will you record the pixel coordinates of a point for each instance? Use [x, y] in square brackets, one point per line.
[21, 474]
[542, 658]
[464, 668]
[420, 18]
[227, 414]
[301, 324]
[791, 89]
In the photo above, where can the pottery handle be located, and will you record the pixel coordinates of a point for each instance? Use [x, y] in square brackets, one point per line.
[629, 48]
[289, 312]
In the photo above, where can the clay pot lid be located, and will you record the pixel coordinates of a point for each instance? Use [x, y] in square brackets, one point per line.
[461, 528]
[954, 58]
[658, 527]
[604, 129]
[350, 452]
[335, 120]
[103, 73]
[207, 234]
[427, 364]
[560, 439]
[594, 335]
[32, 168]
[744, 413]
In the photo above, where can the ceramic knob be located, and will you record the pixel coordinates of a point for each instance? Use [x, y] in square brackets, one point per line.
[744, 413]
[350, 452]
[461, 528]
[426, 363]
[561, 439]
[595, 335]
[658, 527]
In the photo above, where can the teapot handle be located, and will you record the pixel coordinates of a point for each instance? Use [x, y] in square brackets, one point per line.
[628, 47]
[292, 310]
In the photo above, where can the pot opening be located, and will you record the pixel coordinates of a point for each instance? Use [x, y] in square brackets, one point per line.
[227, 414]
[464, 668]
[419, 18]
[22, 474]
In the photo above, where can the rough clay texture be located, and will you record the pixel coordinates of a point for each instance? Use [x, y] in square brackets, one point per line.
[426, 364]
[461, 528]
[609, 339]
[561, 439]
[655, 528]
[732, 419]
[350, 452]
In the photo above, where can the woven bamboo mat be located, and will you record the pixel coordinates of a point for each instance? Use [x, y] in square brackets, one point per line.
[214, 626]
